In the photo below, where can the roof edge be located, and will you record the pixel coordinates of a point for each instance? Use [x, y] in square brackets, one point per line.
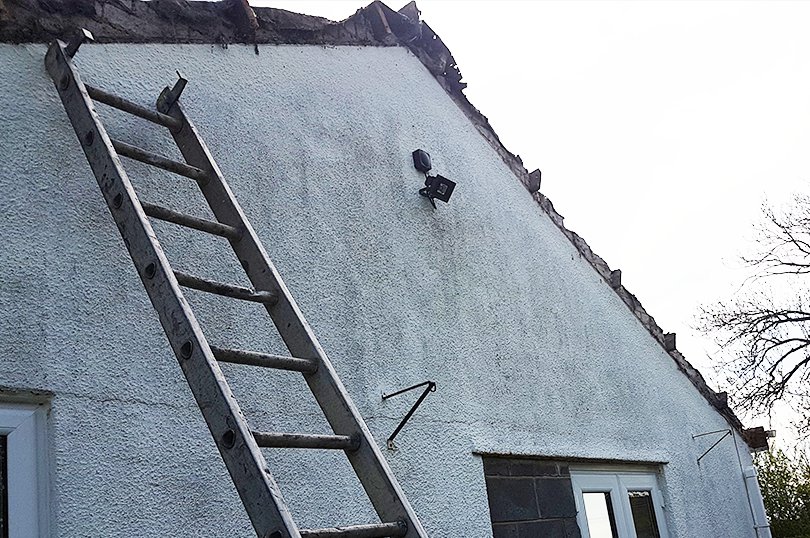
[220, 22]
[434, 54]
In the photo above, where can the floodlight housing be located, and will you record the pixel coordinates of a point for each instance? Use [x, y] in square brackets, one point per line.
[438, 188]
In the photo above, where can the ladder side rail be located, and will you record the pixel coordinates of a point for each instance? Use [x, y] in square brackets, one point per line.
[242, 456]
[368, 462]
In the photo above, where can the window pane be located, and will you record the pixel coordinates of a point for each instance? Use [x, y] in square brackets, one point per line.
[599, 513]
[641, 505]
[3, 488]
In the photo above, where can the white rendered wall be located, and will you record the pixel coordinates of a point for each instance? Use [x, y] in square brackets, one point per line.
[533, 353]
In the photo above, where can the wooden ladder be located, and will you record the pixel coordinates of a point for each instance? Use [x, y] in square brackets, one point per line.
[239, 446]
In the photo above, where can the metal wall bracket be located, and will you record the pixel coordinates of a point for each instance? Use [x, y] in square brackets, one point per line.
[725, 433]
[430, 386]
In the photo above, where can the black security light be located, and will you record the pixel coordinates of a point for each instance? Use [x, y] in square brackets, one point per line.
[421, 160]
[436, 187]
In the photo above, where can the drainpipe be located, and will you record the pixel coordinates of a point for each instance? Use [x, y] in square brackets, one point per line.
[757, 505]
[754, 494]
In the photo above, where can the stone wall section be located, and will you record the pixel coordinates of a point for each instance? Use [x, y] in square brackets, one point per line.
[530, 498]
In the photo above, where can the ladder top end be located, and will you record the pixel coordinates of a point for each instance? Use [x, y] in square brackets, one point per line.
[82, 35]
[85, 34]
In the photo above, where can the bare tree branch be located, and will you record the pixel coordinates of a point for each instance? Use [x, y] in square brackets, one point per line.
[764, 332]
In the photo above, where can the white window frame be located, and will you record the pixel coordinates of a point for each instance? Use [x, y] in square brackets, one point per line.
[618, 482]
[24, 428]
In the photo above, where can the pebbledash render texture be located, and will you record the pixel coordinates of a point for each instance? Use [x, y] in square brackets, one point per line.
[545, 364]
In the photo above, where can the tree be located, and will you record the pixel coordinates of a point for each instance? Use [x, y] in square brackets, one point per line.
[764, 333]
[785, 485]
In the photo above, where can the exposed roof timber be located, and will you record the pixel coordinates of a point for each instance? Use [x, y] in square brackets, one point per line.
[234, 21]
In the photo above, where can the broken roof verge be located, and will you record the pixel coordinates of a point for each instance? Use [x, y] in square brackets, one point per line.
[234, 21]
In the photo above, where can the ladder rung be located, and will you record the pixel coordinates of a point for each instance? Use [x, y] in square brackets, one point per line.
[227, 290]
[251, 358]
[135, 109]
[306, 440]
[375, 530]
[138, 154]
[216, 228]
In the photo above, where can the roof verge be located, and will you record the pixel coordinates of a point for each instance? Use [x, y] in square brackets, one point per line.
[434, 54]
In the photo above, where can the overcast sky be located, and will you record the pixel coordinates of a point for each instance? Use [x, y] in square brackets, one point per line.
[660, 127]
